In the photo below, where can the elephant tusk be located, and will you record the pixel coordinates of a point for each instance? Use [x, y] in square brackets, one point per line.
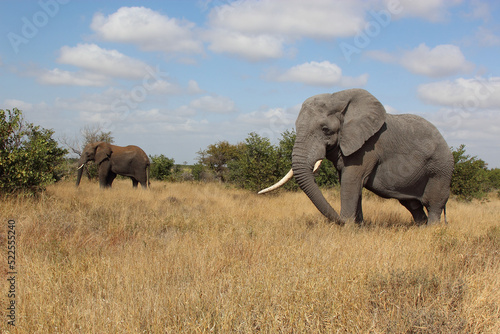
[287, 178]
[316, 165]
[281, 182]
[80, 166]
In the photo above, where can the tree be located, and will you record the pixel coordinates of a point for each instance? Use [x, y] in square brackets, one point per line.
[494, 178]
[161, 167]
[327, 175]
[284, 156]
[216, 158]
[256, 166]
[89, 134]
[469, 178]
[29, 156]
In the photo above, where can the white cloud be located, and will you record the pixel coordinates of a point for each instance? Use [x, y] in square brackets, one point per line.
[19, 104]
[480, 10]
[463, 94]
[431, 10]
[163, 87]
[319, 74]
[148, 29]
[295, 18]
[214, 104]
[98, 67]
[59, 77]
[443, 60]
[102, 102]
[440, 61]
[92, 58]
[258, 30]
[268, 122]
[484, 37]
[272, 117]
[193, 88]
[250, 47]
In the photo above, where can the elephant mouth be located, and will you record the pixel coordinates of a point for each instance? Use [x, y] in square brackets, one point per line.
[330, 150]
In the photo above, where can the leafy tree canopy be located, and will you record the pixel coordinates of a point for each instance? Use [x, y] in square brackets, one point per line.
[29, 156]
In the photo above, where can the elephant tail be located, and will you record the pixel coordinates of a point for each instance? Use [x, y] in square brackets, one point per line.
[444, 212]
[147, 177]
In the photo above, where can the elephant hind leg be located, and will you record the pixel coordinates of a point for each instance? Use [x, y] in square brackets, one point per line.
[416, 209]
[136, 182]
[435, 214]
[436, 195]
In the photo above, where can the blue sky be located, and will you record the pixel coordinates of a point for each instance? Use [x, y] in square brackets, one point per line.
[175, 76]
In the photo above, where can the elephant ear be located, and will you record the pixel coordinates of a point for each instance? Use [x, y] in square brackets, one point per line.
[364, 115]
[103, 151]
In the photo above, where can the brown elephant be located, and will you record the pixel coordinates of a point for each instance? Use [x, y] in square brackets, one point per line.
[395, 156]
[115, 160]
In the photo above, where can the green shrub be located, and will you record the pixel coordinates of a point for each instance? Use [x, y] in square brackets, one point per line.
[161, 167]
[470, 177]
[216, 159]
[284, 154]
[327, 175]
[494, 178]
[256, 166]
[30, 158]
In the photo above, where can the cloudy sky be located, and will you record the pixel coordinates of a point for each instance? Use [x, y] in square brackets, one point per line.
[175, 76]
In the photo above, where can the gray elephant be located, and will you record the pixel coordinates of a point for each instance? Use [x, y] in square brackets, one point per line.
[115, 160]
[395, 156]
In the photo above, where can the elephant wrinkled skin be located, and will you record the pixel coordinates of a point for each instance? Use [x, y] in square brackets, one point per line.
[395, 156]
[115, 160]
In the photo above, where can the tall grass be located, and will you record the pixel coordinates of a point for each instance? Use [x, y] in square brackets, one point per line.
[206, 258]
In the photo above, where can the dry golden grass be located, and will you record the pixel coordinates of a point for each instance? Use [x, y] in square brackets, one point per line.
[206, 258]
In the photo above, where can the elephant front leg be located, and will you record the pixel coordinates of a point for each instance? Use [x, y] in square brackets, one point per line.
[111, 178]
[350, 199]
[135, 183]
[106, 176]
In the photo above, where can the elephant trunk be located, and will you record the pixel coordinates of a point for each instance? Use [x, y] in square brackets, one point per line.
[303, 172]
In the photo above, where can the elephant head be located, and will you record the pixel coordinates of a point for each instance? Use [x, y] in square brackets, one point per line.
[340, 122]
[97, 152]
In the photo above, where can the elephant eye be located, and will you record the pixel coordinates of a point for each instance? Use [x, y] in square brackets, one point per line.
[327, 131]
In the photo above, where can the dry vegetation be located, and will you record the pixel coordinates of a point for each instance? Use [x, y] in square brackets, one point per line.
[206, 258]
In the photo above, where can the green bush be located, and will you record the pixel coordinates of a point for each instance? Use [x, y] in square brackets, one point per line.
[30, 158]
[327, 175]
[494, 178]
[284, 153]
[202, 173]
[161, 167]
[255, 167]
[470, 176]
[216, 158]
